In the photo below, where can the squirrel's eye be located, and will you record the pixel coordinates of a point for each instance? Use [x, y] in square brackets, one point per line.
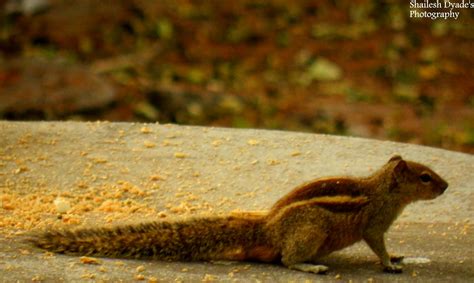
[425, 177]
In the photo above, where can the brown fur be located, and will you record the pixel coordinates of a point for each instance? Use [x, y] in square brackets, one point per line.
[311, 221]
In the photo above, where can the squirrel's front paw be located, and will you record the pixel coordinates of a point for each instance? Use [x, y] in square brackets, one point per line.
[396, 259]
[392, 268]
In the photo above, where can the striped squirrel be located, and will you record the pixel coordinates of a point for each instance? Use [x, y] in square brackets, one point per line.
[313, 220]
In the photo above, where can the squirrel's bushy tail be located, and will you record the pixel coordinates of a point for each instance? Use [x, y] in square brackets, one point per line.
[233, 238]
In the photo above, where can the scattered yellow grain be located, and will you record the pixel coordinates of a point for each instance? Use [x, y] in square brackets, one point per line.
[253, 142]
[149, 144]
[209, 278]
[145, 130]
[89, 260]
[180, 155]
[157, 178]
[273, 162]
[88, 276]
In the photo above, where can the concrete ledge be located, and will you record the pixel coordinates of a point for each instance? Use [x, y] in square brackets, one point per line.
[123, 172]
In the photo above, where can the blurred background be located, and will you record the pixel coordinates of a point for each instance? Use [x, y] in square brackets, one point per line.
[360, 68]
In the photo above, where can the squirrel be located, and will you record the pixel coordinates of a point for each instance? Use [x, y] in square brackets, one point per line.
[312, 221]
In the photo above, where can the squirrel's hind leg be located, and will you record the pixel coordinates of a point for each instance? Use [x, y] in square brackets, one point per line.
[308, 267]
[300, 246]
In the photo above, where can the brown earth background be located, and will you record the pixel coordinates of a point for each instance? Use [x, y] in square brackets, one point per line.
[360, 68]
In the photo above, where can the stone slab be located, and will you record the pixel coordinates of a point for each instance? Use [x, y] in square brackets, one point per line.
[125, 172]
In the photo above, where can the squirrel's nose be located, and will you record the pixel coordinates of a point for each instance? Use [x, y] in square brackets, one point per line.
[444, 186]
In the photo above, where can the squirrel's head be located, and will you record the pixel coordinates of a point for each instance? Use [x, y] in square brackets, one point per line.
[415, 181]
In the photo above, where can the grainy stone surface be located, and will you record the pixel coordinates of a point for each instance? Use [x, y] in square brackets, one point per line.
[113, 173]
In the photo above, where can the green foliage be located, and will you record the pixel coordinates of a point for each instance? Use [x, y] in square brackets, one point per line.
[164, 29]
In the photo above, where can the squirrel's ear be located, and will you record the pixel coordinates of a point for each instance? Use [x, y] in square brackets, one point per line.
[395, 158]
[400, 167]
[398, 170]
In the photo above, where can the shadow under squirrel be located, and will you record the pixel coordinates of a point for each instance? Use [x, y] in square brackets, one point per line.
[311, 221]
